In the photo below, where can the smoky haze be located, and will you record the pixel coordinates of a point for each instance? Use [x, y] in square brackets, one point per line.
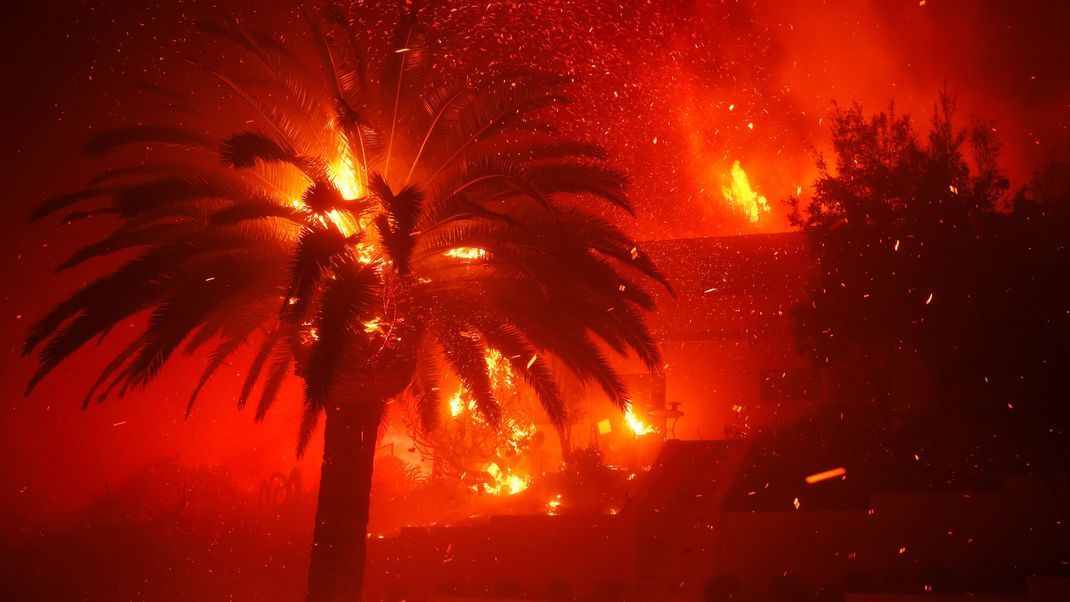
[678, 91]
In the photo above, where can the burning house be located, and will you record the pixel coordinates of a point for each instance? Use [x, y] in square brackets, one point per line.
[730, 361]
[730, 370]
[689, 497]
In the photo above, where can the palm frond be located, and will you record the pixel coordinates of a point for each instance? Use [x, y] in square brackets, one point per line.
[244, 149]
[115, 364]
[63, 201]
[318, 251]
[406, 68]
[525, 361]
[446, 106]
[397, 220]
[216, 359]
[280, 368]
[107, 141]
[465, 355]
[309, 419]
[345, 303]
[425, 383]
[267, 347]
[574, 177]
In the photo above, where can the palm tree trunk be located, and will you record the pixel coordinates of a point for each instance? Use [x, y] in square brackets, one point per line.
[336, 570]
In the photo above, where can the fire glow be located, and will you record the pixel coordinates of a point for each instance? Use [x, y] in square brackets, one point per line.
[470, 253]
[516, 434]
[741, 194]
[637, 424]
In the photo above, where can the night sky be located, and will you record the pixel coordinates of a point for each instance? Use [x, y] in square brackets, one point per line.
[678, 91]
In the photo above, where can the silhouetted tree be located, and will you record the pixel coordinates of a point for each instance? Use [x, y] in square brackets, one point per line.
[893, 223]
[367, 221]
[922, 256]
[1018, 359]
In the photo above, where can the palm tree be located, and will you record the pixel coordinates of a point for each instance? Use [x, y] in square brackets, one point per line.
[366, 226]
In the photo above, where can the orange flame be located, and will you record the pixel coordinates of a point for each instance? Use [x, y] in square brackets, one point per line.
[742, 195]
[466, 253]
[637, 424]
[518, 432]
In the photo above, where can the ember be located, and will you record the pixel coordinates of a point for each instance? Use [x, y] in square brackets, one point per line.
[824, 476]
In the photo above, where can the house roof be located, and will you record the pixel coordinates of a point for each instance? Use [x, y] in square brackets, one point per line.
[728, 286]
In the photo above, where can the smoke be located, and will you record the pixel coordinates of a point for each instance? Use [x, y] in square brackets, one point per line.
[677, 90]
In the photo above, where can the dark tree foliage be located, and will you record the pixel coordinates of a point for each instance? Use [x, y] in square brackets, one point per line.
[1018, 357]
[891, 222]
[928, 273]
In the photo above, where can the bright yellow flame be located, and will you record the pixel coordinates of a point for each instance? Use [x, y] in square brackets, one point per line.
[466, 253]
[740, 193]
[516, 484]
[553, 505]
[638, 426]
[505, 483]
[344, 177]
[457, 404]
[517, 432]
[501, 376]
[343, 223]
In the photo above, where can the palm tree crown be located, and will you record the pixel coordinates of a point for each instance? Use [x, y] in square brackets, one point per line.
[370, 222]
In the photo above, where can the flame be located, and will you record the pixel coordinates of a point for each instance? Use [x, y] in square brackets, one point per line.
[373, 325]
[344, 176]
[505, 483]
[501, 375]
[553, 505]
[517, 432]
[739, 193]
[466, 253]
[457, 404]
[637, 424]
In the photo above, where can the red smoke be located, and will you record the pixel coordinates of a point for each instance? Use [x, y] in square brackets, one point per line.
[678, 91]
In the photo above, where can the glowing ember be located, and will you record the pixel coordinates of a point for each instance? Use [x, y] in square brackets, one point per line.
[739, 193]
[553, 505]
[824, 476]
[466, 253]
[637, 424]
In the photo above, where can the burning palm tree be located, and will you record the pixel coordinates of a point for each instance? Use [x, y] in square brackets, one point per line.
[369, 223]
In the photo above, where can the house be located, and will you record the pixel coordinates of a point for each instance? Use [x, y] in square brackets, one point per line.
[730, 364]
